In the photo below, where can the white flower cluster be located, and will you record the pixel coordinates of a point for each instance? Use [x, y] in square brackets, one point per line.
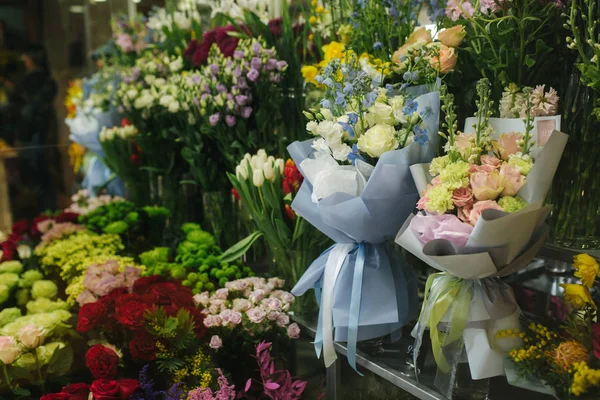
[514, 102]
[161, 20]
[264, 9]
[259, 167]
[123, 132]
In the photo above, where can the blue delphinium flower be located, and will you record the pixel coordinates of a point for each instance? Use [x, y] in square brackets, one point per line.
[353, 155]
[347, 128]
[420, 135]
[377, 46]
[352, 118]
[325, 103]
[426, 113]
[340, 100]
[370, 99]
[390, 90]
[410, 107]
[328, 82]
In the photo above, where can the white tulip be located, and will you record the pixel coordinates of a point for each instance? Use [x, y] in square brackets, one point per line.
[247, 156]
[271, 159]
[269, 171]
[261, 153]
[258, 178]
[241, 172]
[280, 164]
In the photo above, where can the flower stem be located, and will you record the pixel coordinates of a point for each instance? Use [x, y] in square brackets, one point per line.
[39, 370]
[6, 376]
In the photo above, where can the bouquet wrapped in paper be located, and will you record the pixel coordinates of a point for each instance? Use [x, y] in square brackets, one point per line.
[358, 190]
[482, 218]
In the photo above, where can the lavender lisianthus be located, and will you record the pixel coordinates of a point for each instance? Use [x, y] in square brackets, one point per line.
[246, 112]
[214, 119]
[230, 121]
[252, 75]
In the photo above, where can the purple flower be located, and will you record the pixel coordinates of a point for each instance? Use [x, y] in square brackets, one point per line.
[230, 120]
[214, 69]
[274, 77]
[246, 112]
[281, 65]
[242, 84]
[256, 63]
[196, 101]
[252, 75]
[271, 64]
[204, 96]
[221, 88]
[241, 100]
[214, 119]
[256, 48]
[237, 72]
[238, 54]
[196, 79]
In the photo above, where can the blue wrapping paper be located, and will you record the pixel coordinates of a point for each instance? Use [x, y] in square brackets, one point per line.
[387, 293]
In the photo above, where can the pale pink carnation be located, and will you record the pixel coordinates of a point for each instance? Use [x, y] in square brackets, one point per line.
[86, 297]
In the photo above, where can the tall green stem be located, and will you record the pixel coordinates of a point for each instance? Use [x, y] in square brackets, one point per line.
[39, 370]
[6, 376]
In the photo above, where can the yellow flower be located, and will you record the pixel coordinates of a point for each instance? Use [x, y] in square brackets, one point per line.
[309, 72]
[569, 353]
[587, 269]
[314, 3]
[76, 153]
[312, 20]
[584, 378]
[577, 295]
[333, 50]
[320, 10]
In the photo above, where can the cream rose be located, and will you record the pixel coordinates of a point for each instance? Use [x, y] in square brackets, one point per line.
[382, 113]
[486, 186]
[452, 37]
[378, 140]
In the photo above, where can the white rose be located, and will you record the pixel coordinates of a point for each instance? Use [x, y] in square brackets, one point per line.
[312, 126]
[382, 113]
[378, 140]
[341, 151]
[174, 107]
[397, 104]
[326, 128]
[320, 145]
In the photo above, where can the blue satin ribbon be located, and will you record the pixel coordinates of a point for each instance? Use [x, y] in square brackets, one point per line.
[354, 312]
[97, 174]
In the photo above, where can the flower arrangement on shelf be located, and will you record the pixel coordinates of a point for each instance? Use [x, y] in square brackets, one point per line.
[74, 98]
[565, 361]
[131, 36]
[266, 187]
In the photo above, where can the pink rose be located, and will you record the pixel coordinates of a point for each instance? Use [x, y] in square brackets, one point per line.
[131, 274]
[507, 144]
[462, 197]
[446, 60]
[288, 298]
[212, 320]
[256, 315]
[241, 305]
[86, 297]
[106, 284]
[273, 315]
[283, 320]
[486, 186]
[293, 331]
[226, 316]
[512, 180]
[201, 298]
[276, 282]
[45, 225]
[257, 296]
[217, 302]
[112, 267]
[236, 318]
[481, 168]
[30, 336]
[221, 294]
[491, 160]
[464, 212]
[9, 350]
[273, 304]
[444, 226]
[215, 342]
[479, 207]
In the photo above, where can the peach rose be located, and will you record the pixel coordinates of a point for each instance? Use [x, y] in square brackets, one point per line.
[507, 144]
[452, 37]
[486, 186]
[446, 60]
[462, 197]
[512, 180]
[419, 34]
[479, 207]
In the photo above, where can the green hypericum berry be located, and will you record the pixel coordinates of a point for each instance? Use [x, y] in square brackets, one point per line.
[204, 278]
[187, 283]
[132, 218]
[204, 268]
[178, 273]
[238, 276]
[209, 286]
[199, 286]
[193, 276]
[213, 272]
[190, 226]
[116, 227]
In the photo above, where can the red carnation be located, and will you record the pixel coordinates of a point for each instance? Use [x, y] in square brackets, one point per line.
[105, 389]
[596, 339]
[129, 310]
[56, 396]
[90, 316]
[143, 347]
[8, 250]
[142, 284]
[102, 362]
[20, 227]
[77, 391]
[67, 217]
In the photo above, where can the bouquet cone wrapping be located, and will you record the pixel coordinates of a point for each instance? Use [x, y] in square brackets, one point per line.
[364, 288]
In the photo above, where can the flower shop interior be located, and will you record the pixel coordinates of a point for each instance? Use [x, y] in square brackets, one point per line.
[299, 199]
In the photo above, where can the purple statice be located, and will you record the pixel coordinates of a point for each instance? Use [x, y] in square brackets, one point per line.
[246, 112]
[214, 119]
[252, 75]
[196, 79]
[256, 63]
[256, 48]
[230, 121]
[242, 84]
[237, 71]
[214, 69]
[225, 392]
[146, 389]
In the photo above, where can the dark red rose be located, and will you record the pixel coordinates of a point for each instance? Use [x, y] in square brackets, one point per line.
[20, 227]
[105, 389]
[143, 346]
[90, 316]
[168, 293]
[141, 285]
[596, 339]
[191, 49]
[102, 362]
[9, 250]
[67, 217]
[135, 159]
[127, 387]
[275, 27]
[77, 391]
[56, 396]
[129, 310]
[113, 295]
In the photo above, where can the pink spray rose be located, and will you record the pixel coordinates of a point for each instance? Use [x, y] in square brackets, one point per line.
[486, 186]
[236, 318]
[215, 342]
[462, 197]
[512, 180]
[222, 294]
[283, 320]
[241, 305]
[201, 299]
[86, 297]
[293, 331]
[256, 315]
[507, 144]
[9, 351]
[479, 207]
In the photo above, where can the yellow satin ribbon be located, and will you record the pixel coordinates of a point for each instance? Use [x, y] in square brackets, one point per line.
[455, 296]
